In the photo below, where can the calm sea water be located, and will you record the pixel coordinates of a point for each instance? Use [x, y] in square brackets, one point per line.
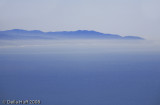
[82, 79]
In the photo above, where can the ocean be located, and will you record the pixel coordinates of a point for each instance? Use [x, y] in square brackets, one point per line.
[80, 77]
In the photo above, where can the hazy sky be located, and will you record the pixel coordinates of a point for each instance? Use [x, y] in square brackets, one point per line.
[124, 17]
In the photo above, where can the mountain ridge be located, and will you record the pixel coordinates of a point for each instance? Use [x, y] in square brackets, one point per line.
[79, 34]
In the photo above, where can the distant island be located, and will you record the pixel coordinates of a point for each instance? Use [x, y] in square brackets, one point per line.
[79, 34]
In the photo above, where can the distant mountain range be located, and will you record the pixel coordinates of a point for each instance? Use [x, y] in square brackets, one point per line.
[79, 34]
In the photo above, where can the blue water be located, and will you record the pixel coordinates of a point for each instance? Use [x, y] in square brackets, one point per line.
[81, 79]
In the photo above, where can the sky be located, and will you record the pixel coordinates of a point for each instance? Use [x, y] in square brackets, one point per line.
[123, 17]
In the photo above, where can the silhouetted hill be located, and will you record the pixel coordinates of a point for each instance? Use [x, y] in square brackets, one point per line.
[79, 34]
